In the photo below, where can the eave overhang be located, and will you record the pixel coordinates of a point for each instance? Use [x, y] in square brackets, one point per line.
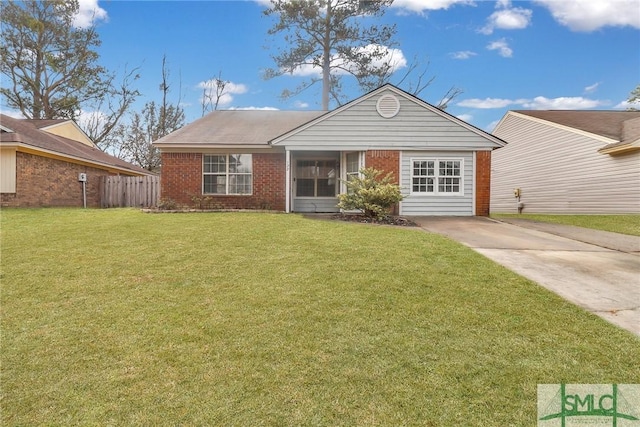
[25, 148]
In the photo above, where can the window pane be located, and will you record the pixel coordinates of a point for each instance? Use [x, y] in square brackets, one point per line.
[352, 162]
[449, 185]
[326, 187]
[215, 164]
[240, 184]
[422, 185]
[419, 185]
[326, 172]
[449, 168]
[215, 184]
[305, 169]
[304, 187]
[240, 163]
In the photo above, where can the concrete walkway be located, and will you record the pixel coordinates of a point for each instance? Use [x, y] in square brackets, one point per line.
[598, 271]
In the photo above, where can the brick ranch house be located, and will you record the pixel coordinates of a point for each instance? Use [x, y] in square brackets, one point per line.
[41, 162]
[296, 161]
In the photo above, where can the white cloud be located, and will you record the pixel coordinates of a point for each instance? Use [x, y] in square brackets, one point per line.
[515, 18]
[210, 87]
[592, 88]
[301, 104]
[626, 105]
[394, 57]
[421, 6]
[91, 119]
[465, 117]
[590, 15]
[88, 13]
[463, 54]
[537, 103]
[562, 103]
[502, 47]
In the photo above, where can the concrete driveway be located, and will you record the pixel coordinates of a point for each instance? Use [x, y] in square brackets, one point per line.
[597, 271]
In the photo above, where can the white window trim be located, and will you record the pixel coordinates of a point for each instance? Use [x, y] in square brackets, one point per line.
[435, 192]
[227, 181]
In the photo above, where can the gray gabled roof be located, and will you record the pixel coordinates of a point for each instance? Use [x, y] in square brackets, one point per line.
[29, 134]
[237, 127]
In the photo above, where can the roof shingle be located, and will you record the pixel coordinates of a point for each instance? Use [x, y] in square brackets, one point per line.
[609, 124]
[241, 127]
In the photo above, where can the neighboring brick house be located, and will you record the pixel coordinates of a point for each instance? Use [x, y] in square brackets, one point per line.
[297, 161]
[41, 162]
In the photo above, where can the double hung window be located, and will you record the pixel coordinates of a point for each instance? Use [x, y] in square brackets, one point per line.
[437, 176]
[353, 167]
[227, 174]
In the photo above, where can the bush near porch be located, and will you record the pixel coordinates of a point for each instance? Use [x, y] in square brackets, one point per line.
[118, 317]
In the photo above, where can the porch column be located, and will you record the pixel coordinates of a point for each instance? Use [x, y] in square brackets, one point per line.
[287, 182]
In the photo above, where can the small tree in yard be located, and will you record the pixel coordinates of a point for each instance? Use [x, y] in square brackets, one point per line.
[370, 194]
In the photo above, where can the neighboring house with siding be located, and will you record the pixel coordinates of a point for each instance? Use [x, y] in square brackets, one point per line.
[41, 161]
[297, 161]
[568, 162]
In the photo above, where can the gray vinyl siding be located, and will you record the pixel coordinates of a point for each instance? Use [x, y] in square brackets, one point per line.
[315, 204]
[360, 127]
[560, 171]
[414, 204]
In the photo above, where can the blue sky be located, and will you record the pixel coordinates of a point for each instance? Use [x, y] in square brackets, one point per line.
[551, 54]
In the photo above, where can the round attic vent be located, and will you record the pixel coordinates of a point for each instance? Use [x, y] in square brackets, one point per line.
[388, 106]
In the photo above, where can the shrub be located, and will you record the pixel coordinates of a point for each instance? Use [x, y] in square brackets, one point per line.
[167, 204]
[370, 194]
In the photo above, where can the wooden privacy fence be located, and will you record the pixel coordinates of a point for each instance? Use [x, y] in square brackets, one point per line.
[129, 191]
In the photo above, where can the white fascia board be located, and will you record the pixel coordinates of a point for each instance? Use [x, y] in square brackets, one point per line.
[191, 146]
[295, 148]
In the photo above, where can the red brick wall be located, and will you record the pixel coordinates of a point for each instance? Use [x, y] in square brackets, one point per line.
[483, 182]
[181, 181]
[46, 182]
[386, 161]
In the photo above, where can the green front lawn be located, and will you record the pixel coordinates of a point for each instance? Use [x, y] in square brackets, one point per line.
[625, 224]
[115, 317]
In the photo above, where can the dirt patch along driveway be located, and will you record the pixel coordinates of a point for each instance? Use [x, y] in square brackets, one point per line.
[603, 281]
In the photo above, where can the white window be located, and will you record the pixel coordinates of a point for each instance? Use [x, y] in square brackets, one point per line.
[437, 176]
[227, 174]
[352, 166]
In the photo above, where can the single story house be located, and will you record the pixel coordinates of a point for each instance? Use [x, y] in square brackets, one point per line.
[297, 161]
[567, 162]
[41, 162]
